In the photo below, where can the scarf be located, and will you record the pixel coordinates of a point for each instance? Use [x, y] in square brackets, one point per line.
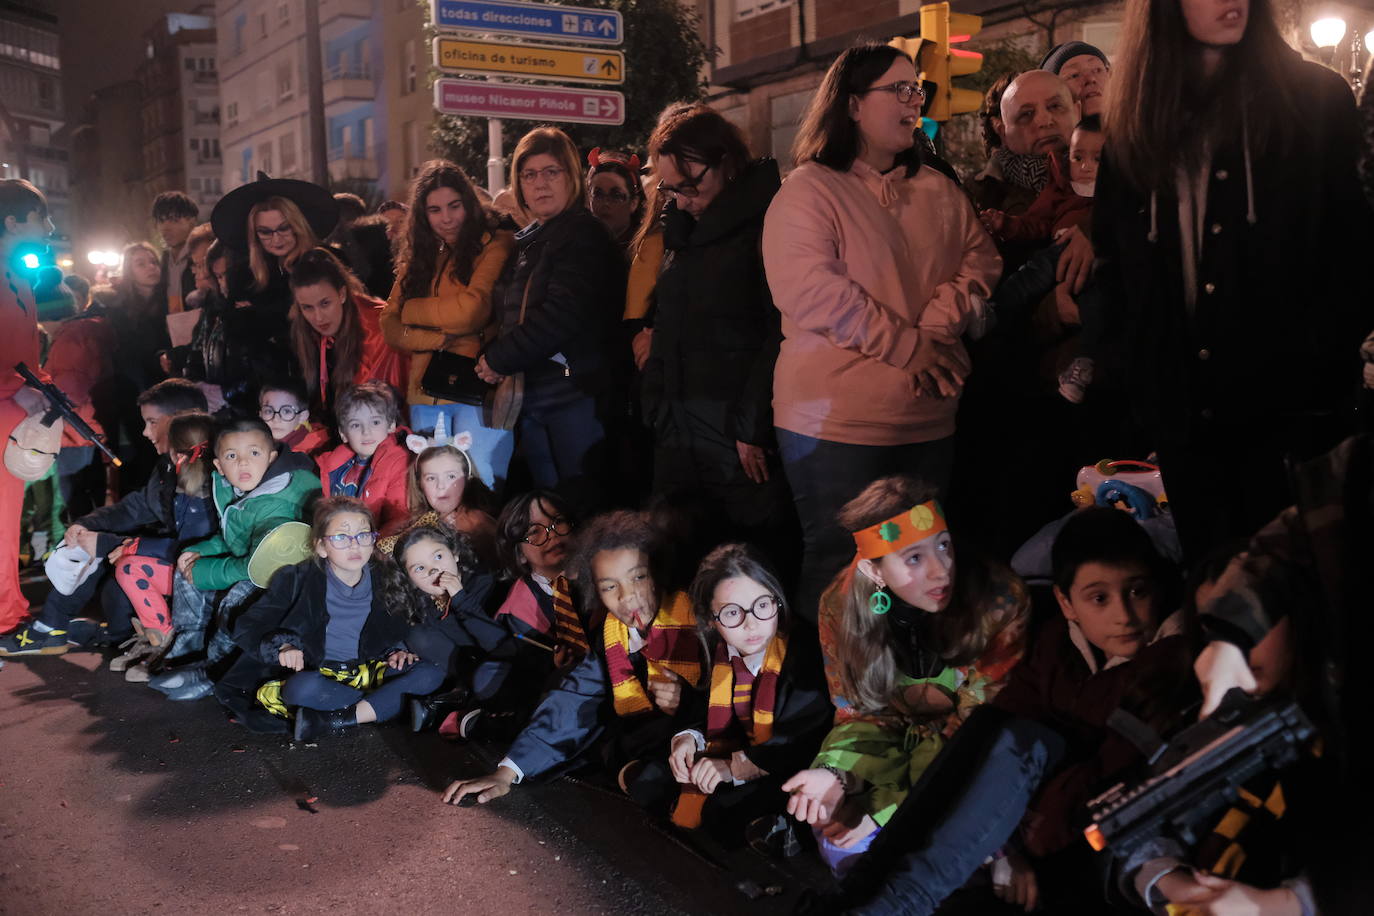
[721, 714]
[1029, 171]
[672, 646]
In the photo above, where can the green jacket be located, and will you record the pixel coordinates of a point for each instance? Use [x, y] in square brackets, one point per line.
[246, 518]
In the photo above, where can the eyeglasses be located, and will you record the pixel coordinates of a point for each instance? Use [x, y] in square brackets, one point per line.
[362, 539]
[548, 173]
[283, 230]
[39, 451]
[689, 188]
[903, 90]
[286, 412]
[765, 607]
[618, 197]
[538, 535]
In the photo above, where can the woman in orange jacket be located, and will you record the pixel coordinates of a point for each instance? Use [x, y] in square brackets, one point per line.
[449, 260]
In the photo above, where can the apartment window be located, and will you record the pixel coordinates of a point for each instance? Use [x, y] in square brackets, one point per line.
[346, 140]
[285, 87]
[265, 95]
[365, 128]
[262, 25]
[744, 9]
[213, 144]
[231, 114]
[189, 63]
[408, 70]
[194, 143]
[266, 158]
[286, 146]
[240, 24]
[283, 12]
[47, 94]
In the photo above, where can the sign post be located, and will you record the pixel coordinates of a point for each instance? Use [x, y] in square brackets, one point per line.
[530, 25]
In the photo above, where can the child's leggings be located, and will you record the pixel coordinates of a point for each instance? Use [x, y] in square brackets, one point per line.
[148, 584]
[316, 691]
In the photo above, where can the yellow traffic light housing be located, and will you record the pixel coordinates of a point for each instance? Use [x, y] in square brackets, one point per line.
[939, 62]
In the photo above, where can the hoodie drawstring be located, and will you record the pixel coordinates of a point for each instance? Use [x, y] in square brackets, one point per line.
[1153, 236]
[1251, 216]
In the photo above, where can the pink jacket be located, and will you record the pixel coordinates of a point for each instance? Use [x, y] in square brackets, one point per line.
[861, 265]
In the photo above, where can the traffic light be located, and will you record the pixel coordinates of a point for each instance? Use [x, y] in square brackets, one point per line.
[939, 62]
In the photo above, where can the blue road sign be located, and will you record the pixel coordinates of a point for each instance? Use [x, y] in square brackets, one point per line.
[529, 20]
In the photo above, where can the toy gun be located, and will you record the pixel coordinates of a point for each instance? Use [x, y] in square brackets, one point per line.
[1199, 774]
[59, 405]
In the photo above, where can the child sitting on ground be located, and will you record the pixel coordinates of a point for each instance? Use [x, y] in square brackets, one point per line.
[348, 651]
[769, 708]
[283, 407]
[257, 488]
[1044, 750]
[104, 532]
[441, 482]
[372, 463]
[1062, 206]
[636, 687]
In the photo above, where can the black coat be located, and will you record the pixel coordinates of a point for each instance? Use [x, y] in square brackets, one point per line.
[716, 330]
[575, 272]
[1283, 295]
[293, 612]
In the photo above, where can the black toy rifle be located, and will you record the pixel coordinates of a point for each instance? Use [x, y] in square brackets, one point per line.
[1199, 774]
[59, 405]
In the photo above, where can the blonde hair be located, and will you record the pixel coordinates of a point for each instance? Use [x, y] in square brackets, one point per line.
[553, 142]
[258, 258]
[416, 495]
[865, 657]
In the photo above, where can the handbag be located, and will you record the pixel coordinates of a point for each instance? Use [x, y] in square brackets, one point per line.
[453, 377]
[501, 407]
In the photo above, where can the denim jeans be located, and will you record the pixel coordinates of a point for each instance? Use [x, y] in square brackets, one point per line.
[963, 810]
[563, 439]
[825, 475]
[313, 690]
[491, 449]
[59, 609]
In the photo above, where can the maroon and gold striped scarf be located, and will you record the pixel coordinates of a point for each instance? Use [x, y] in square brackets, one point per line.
[672, 646]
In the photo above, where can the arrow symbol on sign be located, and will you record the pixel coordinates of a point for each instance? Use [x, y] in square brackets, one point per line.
[610, 67]
[607, 28]
[609, 108]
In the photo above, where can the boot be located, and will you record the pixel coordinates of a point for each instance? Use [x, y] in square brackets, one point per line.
[426, 711]
[313, 723]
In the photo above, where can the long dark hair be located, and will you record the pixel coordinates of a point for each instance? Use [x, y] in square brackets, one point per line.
[403, 597]
[319, 265]
[698, 133]
[1162, 112]
[828, 133]
[418, 253]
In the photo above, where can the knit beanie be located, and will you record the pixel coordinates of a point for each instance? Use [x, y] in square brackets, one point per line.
[1061, 54]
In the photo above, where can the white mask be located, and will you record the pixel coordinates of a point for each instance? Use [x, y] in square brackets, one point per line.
[1083, 188]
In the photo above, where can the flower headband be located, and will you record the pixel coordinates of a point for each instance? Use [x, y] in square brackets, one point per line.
[910, 526]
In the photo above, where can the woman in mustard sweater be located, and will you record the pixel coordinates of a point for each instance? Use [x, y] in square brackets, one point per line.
[448, 262]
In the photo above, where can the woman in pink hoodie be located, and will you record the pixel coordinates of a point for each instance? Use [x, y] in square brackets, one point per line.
[878, 265]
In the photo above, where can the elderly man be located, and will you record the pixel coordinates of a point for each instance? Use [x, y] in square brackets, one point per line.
[1085, 70]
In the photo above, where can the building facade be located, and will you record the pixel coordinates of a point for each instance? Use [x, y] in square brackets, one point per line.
[110, 198]
[32, 131]
[407, 103]
[181, 110]
[267, 118]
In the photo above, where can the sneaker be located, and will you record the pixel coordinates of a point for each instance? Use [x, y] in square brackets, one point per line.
[29, 641]
[189, 683]
[138, 673]
[1074, 381]
[85, 633]
[135, 649]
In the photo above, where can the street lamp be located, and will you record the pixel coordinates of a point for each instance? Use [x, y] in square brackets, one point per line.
[1369, 41]
[1328, 32]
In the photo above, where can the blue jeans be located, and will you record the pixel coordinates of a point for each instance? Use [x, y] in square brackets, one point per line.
[315, 691]
[562, 437]
[491, 449]
[963, 810]
[825, 475]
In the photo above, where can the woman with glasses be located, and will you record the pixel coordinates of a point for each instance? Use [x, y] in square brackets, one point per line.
[614, 193]
[336, 331]
[768, 710]
[441, 310]
[560, 314]
[878, 265]
[708, 382]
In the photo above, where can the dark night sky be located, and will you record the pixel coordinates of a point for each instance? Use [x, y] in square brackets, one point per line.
[102, 42]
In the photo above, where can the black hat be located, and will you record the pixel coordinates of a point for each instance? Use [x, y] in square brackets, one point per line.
[229, 219]
[1061, 54]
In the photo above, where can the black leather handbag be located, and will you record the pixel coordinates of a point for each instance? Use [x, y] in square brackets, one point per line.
[453, 377]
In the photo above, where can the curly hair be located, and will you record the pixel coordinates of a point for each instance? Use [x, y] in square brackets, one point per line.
[620, 530]
[403, 597]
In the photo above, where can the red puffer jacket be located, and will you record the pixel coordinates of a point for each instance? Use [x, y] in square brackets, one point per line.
[384, 488]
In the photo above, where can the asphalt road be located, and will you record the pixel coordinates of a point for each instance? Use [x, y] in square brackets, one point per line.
[114, 800]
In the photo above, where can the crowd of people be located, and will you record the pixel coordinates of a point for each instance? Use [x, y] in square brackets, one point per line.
[748, 494]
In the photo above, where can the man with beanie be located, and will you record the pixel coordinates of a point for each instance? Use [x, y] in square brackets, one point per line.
[1086, 71]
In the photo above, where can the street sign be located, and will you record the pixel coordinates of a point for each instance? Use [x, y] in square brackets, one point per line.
[528, 103]
[529, 20]
[550, 62]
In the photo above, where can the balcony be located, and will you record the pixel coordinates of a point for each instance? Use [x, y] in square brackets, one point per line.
[341, 166]
[205, 117]
[209, 77]
[338, 16]
[348, 83]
